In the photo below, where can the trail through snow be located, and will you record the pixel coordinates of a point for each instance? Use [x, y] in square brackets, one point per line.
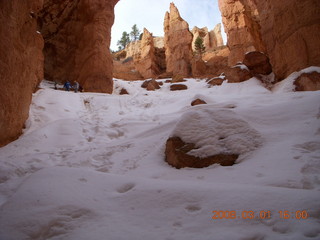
[91, 166]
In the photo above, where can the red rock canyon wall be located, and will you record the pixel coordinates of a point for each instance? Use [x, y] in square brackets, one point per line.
[21, 64]
[288, 31]
[77, 39]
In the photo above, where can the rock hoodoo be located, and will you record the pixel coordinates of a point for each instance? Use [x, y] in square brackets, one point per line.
[240, 22]
[172, 55]
[177, 42]
[145, 62]
[77, 38]
[21, 64]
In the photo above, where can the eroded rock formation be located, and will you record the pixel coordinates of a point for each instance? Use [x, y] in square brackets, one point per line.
[140, 59]
[21, 64]
[126, 69]
[77, 39]
[146, 61]
[288, 31]
[177, 41]
[212, 64]
[241, 23]
[211, 40]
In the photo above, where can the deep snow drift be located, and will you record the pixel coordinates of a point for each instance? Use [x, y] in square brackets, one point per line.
[91, 166]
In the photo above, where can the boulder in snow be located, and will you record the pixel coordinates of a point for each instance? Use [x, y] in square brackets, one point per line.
[123, 91]
[237, 73]
[150, 85]
[177, 87]
[215, 81]
[308, 82]
[178, 157]
[198, 101]
[206, 136]
[258, 63]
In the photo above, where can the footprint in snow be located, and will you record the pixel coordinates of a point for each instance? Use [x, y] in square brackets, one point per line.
[125, 188]
[192, 208]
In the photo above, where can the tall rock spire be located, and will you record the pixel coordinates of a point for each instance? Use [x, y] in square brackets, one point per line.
[177, 42]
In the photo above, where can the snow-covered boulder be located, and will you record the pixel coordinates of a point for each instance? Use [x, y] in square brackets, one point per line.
[309, 81]
[206, 136]
[237, 73]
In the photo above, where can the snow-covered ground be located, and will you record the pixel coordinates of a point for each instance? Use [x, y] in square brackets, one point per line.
[91, 166]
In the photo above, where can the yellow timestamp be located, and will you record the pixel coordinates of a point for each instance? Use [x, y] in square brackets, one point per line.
[263, 214]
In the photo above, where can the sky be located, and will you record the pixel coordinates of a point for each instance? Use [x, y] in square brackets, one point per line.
[150, 14]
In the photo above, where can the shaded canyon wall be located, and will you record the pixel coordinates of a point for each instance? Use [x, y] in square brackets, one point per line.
[77, 37]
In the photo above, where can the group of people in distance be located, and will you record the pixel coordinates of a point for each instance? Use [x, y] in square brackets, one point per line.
[67, 86]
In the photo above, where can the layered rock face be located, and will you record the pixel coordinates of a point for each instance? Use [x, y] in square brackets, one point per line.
[290, 30]
[178, 43]
[211, 40]
[21, 64]
[287, 31]
[77, 39]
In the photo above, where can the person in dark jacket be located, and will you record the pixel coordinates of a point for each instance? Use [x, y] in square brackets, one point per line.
[67, 86]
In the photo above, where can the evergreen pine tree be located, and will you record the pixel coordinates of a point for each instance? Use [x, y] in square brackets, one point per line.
[122, 43]
[135, 33]
[198, 44]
